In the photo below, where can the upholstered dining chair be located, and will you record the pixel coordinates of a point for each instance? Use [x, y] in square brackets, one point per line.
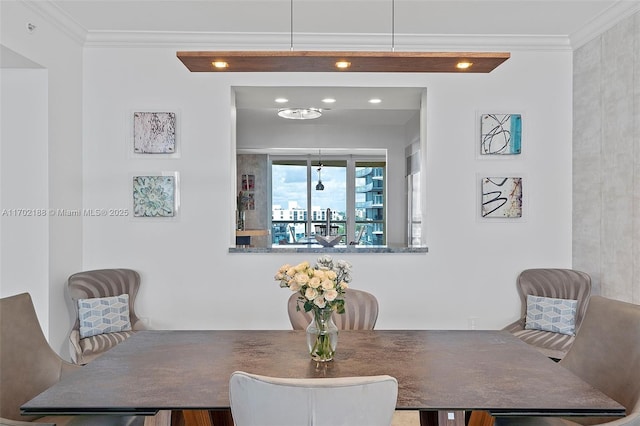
[102, 283]
[29, 366]
[347, 401]
[557, 284]
[605, 354]
[361, 312]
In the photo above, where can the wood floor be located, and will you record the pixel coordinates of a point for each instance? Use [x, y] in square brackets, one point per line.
[406, 418]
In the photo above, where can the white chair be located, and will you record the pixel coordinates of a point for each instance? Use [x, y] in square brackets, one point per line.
[346, 401]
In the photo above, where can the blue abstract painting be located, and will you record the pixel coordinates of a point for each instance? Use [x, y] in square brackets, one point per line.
[501, 134]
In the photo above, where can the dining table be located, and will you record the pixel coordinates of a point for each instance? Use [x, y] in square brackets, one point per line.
[437, 370]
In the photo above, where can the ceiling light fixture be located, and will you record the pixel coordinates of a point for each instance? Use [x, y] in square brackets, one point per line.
[220, 64]
[341, 61]
[325, 61]
[300, 113]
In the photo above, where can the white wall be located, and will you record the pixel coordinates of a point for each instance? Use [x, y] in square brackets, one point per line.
[59, 51]
[189, 280]
[24, 224]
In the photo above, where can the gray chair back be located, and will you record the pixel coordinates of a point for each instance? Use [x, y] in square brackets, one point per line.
[104, 283]
[29, 366]
[556, 283]
[606, 352]
[361, 312]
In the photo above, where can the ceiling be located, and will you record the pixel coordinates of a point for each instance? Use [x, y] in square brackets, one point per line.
[299, 24]
[442, 17]
[398, 105]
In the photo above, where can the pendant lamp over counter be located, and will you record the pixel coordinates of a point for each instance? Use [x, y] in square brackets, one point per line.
[319, 185]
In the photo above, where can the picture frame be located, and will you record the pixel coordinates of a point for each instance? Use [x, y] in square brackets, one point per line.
[153, 133]
[500, 134]
[155, 195]
[502, 197]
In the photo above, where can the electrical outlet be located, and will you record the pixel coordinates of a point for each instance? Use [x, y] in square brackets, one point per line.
[472, 322]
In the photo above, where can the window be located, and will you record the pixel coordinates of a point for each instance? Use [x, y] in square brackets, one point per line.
[350, 190]
[369, 205]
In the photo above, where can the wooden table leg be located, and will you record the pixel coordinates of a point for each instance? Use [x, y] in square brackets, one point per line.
[481, 418]
[222, 417]
[442, 418]
[197, 418]
[428, 418]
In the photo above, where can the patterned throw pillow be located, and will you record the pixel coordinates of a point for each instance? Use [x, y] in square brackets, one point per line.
[549, 314]
[101, 315]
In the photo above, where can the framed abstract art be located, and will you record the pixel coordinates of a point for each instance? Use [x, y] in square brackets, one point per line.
[154, 132]
[155, 195]
[500, 134]
[502, 197]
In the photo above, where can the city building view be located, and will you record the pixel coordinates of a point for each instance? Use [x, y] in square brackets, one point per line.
[293, 222]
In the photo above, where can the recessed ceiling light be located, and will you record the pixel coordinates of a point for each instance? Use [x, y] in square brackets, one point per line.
[463, 65]
[343, 65]
[300, 113]
[220, 64]
[375, 100]
[282, 100]
[328, 100]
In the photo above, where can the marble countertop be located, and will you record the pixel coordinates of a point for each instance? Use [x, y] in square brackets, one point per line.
[317, 248]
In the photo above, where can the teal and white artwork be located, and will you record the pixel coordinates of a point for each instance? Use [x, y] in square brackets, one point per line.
[154, 132]
[501, 134]
[154, 196]
[502, 197]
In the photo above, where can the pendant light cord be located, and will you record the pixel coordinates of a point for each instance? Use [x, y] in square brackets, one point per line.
[393, 25]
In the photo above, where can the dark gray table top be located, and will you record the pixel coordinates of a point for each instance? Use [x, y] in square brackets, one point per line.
[436, 370]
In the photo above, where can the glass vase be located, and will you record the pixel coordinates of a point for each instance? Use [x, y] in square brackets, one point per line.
[322, 335]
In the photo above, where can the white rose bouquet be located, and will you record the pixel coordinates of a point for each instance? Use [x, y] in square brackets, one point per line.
[321, 286]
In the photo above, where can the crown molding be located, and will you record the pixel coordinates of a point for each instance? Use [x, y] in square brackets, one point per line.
[58, 18]
[605, 21]
[483, 42]
[309, 41]
[323, 41]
